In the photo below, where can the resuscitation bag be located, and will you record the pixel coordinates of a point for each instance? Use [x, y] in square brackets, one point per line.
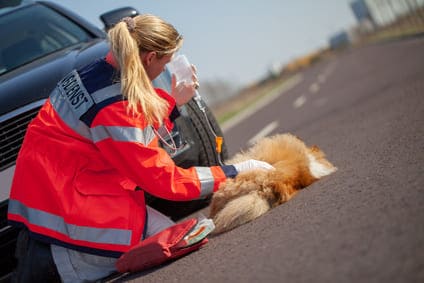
[168, 244]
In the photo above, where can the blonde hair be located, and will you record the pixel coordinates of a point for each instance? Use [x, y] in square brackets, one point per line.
[130, 37]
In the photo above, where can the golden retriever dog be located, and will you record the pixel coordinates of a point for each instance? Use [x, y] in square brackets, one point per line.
[251, 194]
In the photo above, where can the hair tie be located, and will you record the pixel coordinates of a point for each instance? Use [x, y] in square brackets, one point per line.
[130, 23]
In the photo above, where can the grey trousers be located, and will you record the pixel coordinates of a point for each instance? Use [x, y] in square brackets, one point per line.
[74, 266]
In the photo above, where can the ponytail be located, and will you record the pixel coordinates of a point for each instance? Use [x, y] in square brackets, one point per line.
[135, 83]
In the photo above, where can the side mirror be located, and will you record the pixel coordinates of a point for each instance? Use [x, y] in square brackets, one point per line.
[110, 18]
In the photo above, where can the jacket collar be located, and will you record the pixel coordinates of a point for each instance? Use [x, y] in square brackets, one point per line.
[110, 59]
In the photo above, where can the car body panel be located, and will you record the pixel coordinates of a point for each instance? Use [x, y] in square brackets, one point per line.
[17, 86]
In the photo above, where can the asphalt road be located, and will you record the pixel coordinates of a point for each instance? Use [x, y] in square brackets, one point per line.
[365, 223]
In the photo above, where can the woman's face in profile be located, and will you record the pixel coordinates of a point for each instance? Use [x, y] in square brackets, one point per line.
[153, 64]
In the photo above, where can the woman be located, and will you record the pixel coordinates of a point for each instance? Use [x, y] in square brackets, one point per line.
[92, 151]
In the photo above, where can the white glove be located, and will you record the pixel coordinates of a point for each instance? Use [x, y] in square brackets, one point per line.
[252, 164]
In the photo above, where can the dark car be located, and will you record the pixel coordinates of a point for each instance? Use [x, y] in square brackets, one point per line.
[40, 43]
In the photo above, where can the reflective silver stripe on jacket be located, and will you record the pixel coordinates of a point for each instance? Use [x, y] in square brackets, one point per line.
[126, 134]
[106, 93]
[69, 117]
[207, 181]
[71, 100]
[73, 91]
[75, 232]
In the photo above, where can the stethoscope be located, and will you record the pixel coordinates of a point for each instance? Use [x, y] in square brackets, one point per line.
[172, 145]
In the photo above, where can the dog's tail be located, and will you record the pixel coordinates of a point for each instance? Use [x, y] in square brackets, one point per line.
[239, 211]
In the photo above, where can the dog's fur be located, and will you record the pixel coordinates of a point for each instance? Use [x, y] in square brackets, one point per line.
[253, 193]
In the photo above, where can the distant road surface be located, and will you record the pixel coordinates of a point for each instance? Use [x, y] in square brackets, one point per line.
[365, 223]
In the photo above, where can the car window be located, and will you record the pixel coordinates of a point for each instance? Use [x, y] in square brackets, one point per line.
[33, 32]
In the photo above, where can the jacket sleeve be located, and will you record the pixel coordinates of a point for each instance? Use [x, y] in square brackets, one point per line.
[132, 147]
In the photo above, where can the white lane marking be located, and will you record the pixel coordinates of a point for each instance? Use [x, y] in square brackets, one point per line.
[299, 101]
[249, 111]
[263, 133]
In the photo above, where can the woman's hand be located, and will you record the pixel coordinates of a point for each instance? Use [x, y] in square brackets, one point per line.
[183, 92]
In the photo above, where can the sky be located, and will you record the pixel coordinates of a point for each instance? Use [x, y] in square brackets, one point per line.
[238, 41]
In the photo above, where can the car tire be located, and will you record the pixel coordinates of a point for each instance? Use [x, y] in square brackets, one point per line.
[202, 123]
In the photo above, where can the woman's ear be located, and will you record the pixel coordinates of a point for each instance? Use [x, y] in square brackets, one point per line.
[148, 57]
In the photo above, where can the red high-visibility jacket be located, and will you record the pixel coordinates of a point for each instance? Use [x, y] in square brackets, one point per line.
[82, 159]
